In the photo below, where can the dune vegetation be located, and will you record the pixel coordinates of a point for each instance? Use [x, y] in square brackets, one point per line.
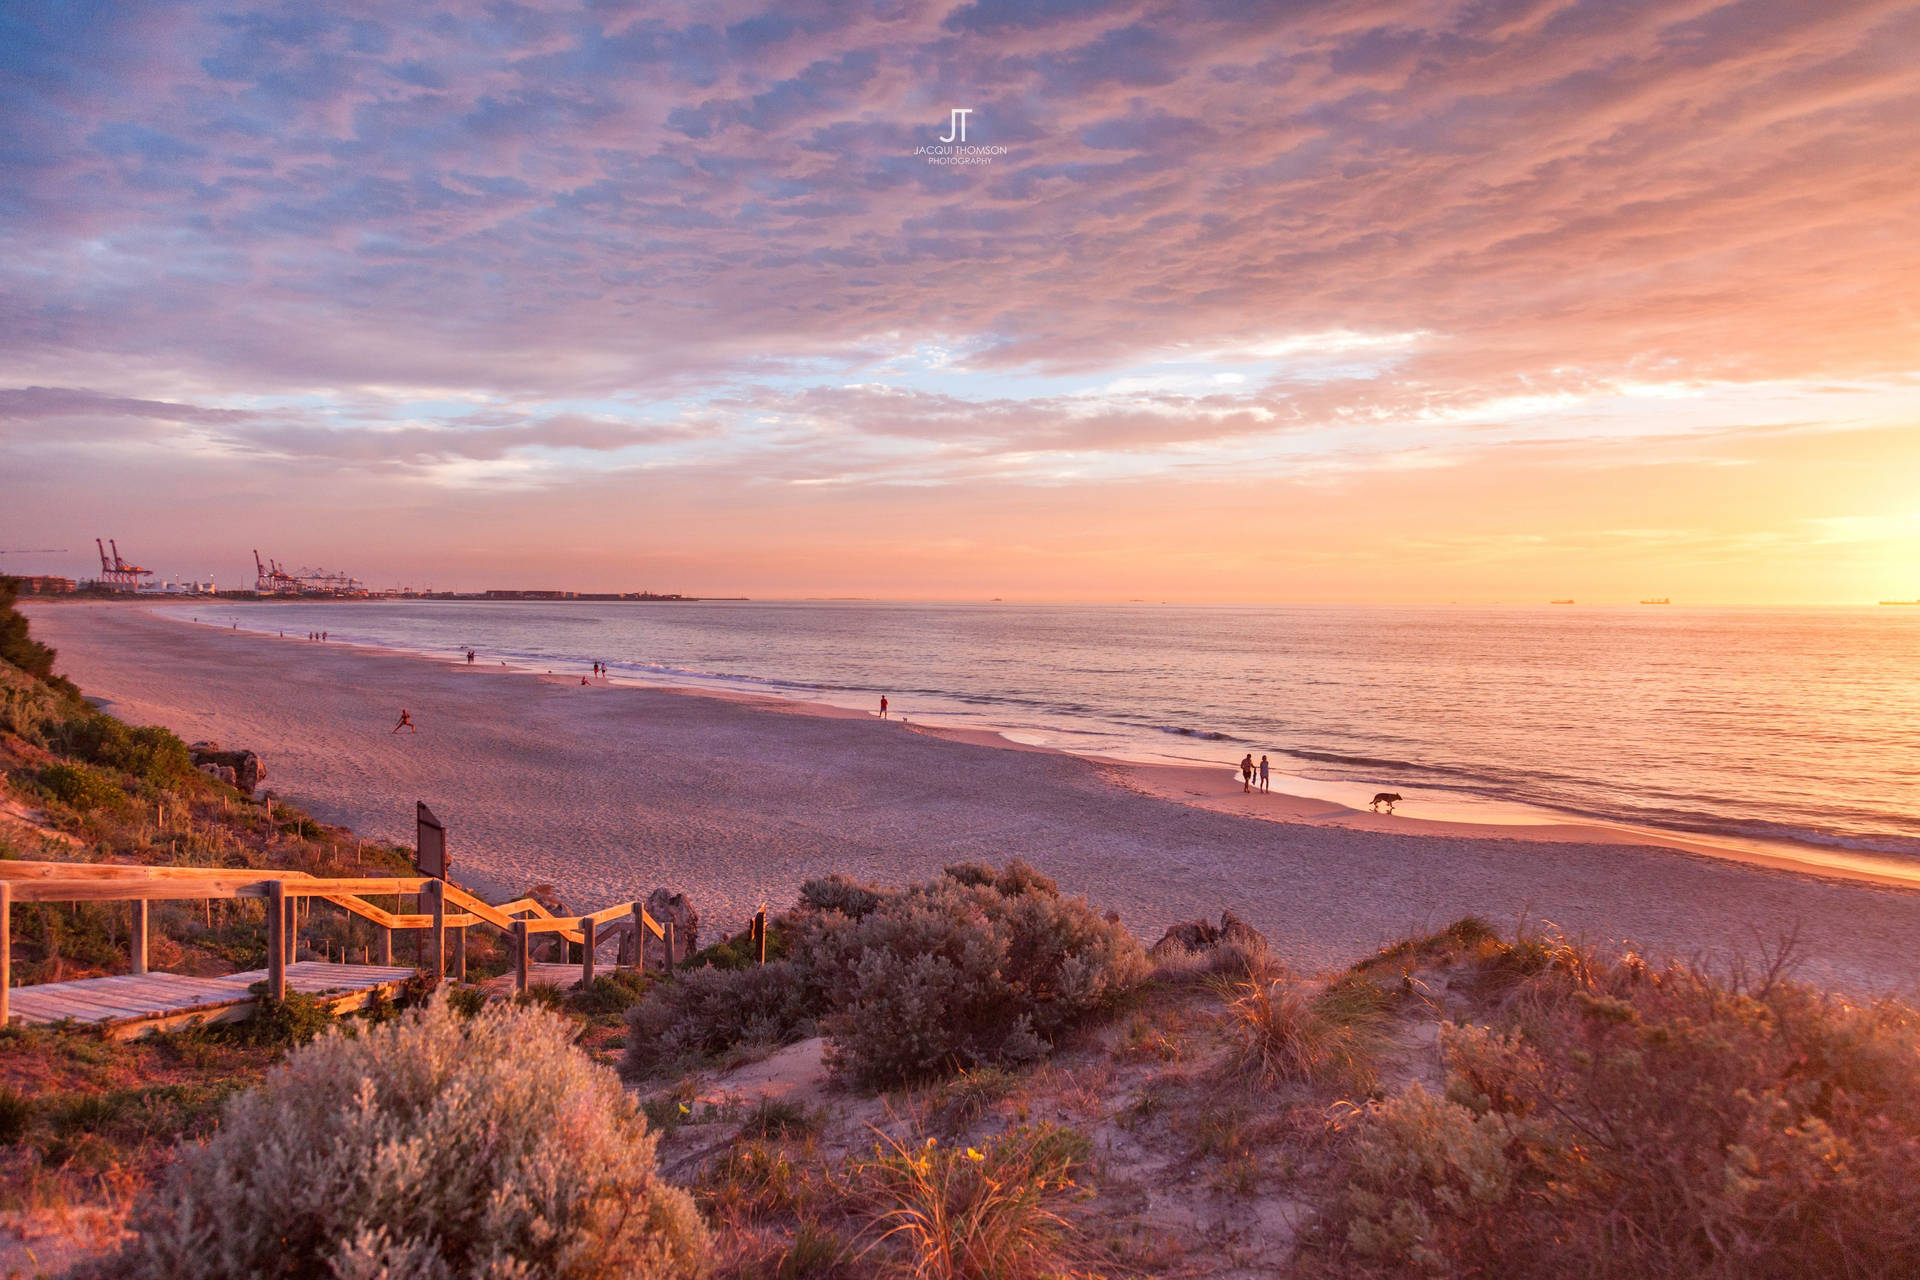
[978, 1077]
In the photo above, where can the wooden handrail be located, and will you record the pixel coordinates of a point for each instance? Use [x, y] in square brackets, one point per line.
[23, 881]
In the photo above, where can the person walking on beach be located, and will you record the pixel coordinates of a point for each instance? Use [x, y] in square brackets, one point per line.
[1246, 772]
[1263, 775]
[406, 722]
[883, 706]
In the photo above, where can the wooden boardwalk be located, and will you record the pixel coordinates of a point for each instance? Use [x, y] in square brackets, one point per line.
[130, 1005]
[133, 1004]
[565, 977]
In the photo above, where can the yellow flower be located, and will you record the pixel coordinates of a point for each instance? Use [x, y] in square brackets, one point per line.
[933, 1142]
[974, 1155]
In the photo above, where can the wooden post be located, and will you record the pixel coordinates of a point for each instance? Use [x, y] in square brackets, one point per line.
[760, 936]
[6, 950]
[460, 954]
[276, 939]
[639, 938]
[666, 927]
[137, 935]
[520, 957]
[292, 907]
[587, 927]
[386, 944]
[436, 896]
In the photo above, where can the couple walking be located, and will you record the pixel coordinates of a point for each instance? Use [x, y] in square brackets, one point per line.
[1247, 768]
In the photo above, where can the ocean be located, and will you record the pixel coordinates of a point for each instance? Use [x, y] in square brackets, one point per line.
[1785, 727]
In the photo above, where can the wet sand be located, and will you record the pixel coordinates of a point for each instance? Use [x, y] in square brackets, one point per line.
[607, 792]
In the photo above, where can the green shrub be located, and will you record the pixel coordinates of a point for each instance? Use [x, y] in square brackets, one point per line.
[20, 648]
[841, 893]
[434, 1146]
[16, 1114]
[959, 972]
[779, 1118]
[611, 993]
[284, 1023]
[148, 752]
[28, 707]
[707, 1011]
[466, 1001]
[81, 788]
[946, 976]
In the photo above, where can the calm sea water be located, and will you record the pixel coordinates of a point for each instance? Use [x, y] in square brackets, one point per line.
[1800, 726]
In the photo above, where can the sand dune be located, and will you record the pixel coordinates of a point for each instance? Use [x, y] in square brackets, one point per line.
[607, 792]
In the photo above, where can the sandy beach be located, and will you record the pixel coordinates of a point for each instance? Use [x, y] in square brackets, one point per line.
[607, 792]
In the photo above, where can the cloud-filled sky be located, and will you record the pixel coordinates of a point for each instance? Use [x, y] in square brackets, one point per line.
[1449, 299]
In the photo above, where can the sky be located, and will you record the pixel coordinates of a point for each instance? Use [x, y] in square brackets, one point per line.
[1476, 300]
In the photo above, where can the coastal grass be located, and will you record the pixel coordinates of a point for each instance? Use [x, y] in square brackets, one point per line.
[1602, 1116]
[1291, 1030]
[993, 1212]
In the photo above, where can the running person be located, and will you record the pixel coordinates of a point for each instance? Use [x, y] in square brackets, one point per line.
[406, 722]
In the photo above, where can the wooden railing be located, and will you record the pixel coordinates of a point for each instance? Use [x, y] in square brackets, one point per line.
[440, 907]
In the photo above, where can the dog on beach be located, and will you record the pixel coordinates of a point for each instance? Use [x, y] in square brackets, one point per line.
[1387, 798]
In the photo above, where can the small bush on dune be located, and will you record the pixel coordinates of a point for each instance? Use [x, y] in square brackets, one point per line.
[16, 1114]
[1630, 1122]
[703, 1012]
[148, 752]
[976, 968]
[294, 1020]
[947, 976]
[431, 1147]
[20, 648]
[611, 993]
[841, 893]
[80, 788]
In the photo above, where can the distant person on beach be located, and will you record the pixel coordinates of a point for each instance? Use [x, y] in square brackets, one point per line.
[1263, 775]
[406, 722]
[469, 657]
[883, 706]
[584, 680]
[1246, 772]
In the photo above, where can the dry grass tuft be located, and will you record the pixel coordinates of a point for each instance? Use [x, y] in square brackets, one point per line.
[1288, 1032]
[965, 1213]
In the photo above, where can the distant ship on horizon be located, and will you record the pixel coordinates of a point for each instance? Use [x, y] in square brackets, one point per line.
[1559, 602]
[1659, 600]
[1900, 602]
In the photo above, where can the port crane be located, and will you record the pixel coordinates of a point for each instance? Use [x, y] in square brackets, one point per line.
[119, 574]
[270, 579]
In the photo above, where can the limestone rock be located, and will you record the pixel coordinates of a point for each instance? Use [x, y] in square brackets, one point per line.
[247, 770]
[1196, 937]
[663, 906]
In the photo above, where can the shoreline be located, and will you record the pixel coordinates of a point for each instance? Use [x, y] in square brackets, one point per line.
[736, 798]
[1210, 787]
